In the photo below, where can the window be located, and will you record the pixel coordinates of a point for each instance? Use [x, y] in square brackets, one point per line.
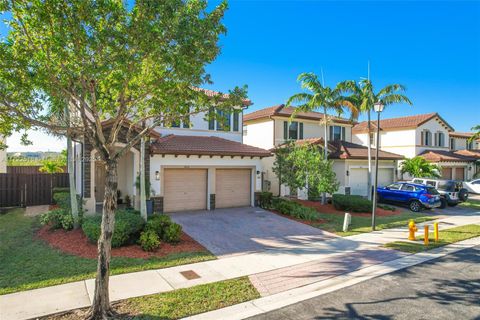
[372, 136]
[426, 138]
[409, 188]
[176, 124]
[469, 145]
[394, 186]
[236, 120]
[452, 144]
[292, 131]
[211, 118]
[439, 139]
[337, 133]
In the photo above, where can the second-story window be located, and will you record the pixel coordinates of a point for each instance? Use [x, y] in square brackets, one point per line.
[236, 120]
[452, 144]
[337, 133]
[223, 120]
[469, 145]
[439, 139]
[292, 131]
[426, 138]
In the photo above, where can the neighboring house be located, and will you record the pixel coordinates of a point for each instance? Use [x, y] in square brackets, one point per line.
[199, 165]
[425, 135]
[3, 157]
[271, 127]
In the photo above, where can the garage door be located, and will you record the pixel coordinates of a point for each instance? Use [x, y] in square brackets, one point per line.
[358, 181]
[385, 176]
[460, 174]
[185, 189]
[232, 188]
[447, 173]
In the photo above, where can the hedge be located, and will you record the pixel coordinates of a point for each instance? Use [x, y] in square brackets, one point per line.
[352, 203]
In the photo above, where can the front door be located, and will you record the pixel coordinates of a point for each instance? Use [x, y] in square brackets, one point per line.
[99, 182]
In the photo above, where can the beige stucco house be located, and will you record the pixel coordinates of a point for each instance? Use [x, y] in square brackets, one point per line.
[428, 136]
[198, 164]
[271, 127]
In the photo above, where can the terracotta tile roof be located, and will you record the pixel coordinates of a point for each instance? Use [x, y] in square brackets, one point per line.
[212, 93]
[446, 156]
[465, 135]
[283, 111]
[398, 123]
[349, 150]
[469, 153]
[197, 145]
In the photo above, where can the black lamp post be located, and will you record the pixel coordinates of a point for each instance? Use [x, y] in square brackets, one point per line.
[378, 107]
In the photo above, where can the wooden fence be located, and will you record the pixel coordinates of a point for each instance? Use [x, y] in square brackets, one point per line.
[20, 190]
[27, 169]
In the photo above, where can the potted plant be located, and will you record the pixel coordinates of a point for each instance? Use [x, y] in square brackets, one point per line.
[147, 194]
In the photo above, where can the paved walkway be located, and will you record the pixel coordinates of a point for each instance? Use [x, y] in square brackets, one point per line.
[79, 294]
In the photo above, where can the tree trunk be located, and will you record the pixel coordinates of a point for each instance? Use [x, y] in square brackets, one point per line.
[71, 180]
[143, 197]
[369, 156]
[71, 175]
[101, 308]
[325, 148]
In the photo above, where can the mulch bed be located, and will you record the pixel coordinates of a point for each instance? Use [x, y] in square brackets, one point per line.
[75, 242]
[309, 222]
[329, 208]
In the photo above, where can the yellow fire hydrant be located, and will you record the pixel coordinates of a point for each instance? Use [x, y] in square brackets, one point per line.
[412, 228]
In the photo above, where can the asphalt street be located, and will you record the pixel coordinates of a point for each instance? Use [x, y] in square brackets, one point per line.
[445, 288]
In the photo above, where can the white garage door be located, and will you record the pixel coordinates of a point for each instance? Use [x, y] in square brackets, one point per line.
[385, 176]
[358, 181]
[185, 189]
[232, 188]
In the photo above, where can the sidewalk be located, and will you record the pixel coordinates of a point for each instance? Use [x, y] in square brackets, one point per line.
[79, 294]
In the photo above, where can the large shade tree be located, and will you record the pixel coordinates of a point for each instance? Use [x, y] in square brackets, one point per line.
[363, 96]
[318, 97]
[135, 64]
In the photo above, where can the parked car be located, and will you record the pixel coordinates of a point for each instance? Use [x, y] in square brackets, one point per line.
[451, 192]
[416, 196]
[473, 186]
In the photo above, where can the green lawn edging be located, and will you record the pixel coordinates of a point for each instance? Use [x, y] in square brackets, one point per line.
[446, 236]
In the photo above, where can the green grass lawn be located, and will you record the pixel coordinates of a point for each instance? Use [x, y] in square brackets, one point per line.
[446, 236]
[472, 204]
[185, 302]
[28, 263]
[364, 224]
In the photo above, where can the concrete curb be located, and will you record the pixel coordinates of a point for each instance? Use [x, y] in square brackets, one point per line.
[283, 299]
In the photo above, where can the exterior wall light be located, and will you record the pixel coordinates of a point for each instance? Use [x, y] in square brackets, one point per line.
[157, 175]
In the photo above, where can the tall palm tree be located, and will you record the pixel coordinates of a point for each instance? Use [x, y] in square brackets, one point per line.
[363, 97]
[320, 97]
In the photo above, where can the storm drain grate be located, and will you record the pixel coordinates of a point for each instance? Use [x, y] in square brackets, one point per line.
[190, 274]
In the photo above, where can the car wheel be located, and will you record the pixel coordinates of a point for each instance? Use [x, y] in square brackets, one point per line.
[463, 195]
[443, 203]
[415, 206]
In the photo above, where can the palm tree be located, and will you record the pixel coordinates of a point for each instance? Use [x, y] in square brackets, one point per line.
[320, 97]
[50, 166]
[418, 167]
[363, 97]
[476, 133]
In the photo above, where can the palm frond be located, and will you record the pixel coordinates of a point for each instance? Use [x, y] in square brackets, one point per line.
[395, 98]
[299, 98]
[310, 81]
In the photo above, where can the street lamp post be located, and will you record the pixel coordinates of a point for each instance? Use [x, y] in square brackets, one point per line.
[378, 106]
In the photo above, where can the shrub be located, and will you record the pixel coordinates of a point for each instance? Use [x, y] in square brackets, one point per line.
[351, 203]
[57, 219]
[60, 190]
[265, 200]
[62, 199]
[158, 223]
[172, 233]
[128, 225]
[149, 240]
[294, 209]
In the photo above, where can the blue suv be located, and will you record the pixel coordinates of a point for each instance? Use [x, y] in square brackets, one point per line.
[416, 196]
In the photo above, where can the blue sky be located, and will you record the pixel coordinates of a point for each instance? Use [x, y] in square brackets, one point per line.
[433, 48]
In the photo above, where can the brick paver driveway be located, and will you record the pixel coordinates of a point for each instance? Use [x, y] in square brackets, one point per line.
[233, 231]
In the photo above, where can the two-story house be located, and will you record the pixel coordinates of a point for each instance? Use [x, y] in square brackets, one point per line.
[271, 127]
[197, 164]
[425, 135]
